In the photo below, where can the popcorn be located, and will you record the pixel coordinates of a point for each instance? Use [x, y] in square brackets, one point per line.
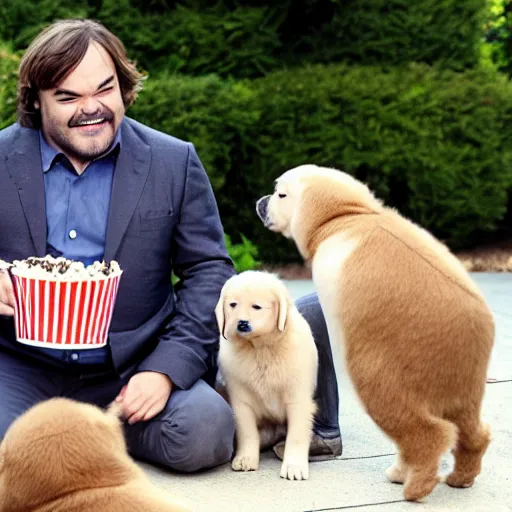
[63, 304]
[62, 269]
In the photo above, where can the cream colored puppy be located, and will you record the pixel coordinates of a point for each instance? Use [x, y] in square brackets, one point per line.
[414, 330]
[269, 361]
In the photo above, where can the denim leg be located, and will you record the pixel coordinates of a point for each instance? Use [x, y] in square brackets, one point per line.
[327, 417]
[195, 431]
[22, 385]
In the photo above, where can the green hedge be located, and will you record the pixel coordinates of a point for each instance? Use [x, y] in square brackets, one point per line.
[183, 36]
[9, 62]
[435, 144]
[446, 32]
[214, 114]
[247, 39]
[498, 34]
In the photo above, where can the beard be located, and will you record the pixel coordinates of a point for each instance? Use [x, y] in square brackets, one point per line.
[79, 144]
[84, 152]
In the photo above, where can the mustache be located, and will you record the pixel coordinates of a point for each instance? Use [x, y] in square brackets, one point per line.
[105, 114]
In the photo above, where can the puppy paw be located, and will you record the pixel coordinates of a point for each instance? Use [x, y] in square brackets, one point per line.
[245, 463]
[457, 480]
[395, 474]
[295, 469]
[418, 488]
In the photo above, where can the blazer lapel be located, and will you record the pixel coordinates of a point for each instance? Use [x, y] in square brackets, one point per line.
[24, 166]
[130, 175]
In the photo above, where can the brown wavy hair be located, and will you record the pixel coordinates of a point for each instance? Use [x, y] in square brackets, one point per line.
[56, 51]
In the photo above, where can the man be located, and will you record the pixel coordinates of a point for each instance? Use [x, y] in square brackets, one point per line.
[79, 179]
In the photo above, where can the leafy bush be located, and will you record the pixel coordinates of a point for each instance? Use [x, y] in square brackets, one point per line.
[249, 38]
[498, 47]
[211, 113]
[447, 32]
[432, 143]
[22, 20]
[244, 254]
[240, 42]
[9, 62]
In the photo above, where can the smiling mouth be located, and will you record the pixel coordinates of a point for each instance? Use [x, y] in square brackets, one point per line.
[91, 124]
[92, 121]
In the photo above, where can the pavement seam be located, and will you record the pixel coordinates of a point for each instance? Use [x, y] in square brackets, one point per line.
[366, 456]
[356, 506]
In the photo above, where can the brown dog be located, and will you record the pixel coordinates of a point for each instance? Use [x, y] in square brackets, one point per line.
[63, 455]
[415, 331]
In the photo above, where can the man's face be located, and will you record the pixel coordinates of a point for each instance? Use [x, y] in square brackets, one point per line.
[81, 116]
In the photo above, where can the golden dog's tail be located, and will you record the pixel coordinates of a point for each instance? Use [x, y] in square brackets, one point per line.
[115, 409]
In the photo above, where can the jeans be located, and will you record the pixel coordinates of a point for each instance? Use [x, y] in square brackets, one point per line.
[326, 420]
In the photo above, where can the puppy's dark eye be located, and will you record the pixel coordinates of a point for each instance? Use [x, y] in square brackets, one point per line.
[232, 304]
[255, 306]
[282, 195]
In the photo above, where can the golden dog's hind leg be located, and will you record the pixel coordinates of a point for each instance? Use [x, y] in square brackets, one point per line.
[474, 438]
[420, 438]
[422, 442]
[247, 456]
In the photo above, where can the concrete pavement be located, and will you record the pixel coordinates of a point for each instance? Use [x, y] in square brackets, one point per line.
[356, 480]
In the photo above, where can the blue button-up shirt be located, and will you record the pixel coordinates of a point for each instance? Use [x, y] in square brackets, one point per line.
[76, 215]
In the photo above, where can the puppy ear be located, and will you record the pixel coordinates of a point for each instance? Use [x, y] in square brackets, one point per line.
[219, 312]
[283, 312]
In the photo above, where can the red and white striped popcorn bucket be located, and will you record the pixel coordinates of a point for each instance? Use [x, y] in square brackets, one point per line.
[64, 314]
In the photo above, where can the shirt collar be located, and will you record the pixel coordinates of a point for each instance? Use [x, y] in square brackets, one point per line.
[49, 153]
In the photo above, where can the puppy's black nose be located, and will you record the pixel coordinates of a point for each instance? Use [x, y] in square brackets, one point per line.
[262, 208]
[243, 326]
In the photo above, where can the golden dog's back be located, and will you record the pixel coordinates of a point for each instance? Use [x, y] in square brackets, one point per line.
[426, 312]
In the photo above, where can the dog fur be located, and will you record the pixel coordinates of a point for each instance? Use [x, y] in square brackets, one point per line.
[270, 371]
[415, 332]
[63, 455]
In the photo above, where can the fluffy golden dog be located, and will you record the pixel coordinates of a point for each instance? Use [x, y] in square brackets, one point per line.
[269, 361]
[415, 331]
[66, 456]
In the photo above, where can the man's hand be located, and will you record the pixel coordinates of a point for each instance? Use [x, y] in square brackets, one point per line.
[6, 295]
[144, 396]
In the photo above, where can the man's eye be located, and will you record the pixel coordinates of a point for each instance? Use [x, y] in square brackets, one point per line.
[108, 89]
[232, 304]
[255, 306]
[282, 195]
[66, 100]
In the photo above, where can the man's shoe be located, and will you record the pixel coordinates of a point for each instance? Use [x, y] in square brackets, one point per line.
[319, 449]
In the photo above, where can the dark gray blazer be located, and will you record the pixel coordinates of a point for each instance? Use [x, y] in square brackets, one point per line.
[163, 216]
